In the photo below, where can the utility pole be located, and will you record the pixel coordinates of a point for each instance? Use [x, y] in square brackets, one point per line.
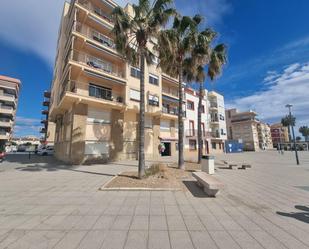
[289, 106]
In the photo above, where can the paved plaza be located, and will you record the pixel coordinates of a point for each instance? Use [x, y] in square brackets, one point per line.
[44, 204]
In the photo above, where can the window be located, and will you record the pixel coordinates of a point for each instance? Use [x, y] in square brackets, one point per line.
[97, 116]
[154, 80]
[190, 105]
[214, 145]
[100, 92]
[165, 125]
[192, 144]
[135, 95]
[203, 129]
[103, 39]
[135, 72]
[203, 109]
[191, 128]
[153, 100]
[148, 122]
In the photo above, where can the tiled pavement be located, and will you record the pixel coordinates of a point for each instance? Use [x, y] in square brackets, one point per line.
[46, 205]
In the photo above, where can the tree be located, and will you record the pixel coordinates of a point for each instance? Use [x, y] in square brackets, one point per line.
[288, 121]
[298, 138]
[175, 46]
[212, 57]
[304, 130]
[132, 34]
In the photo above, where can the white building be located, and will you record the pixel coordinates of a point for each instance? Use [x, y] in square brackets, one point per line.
[213, 124]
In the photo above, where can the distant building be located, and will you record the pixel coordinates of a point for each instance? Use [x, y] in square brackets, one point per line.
[243, 126]
[279, 134]
[27, 139]
[48, 129]
[9, 92]
[265, 138]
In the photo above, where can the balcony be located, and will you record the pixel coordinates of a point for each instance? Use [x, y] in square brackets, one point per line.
[7, 123]
[45, 112]
[90, 92]
[213, 105]
[6, 109]
[47, 94]
[214, 120]
[95, 36]
[4, 135]
[194, 132]
[97, 13]
[215, 134]
[7, 97]
[98, 65]
[43, 130]
[170, 110]
[46, 103]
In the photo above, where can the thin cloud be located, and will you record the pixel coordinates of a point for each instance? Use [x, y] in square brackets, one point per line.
[26, 126]
[288, 87]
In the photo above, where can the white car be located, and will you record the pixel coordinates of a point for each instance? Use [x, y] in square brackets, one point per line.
[46, 151]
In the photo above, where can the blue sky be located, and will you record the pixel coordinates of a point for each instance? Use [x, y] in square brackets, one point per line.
[268, 61]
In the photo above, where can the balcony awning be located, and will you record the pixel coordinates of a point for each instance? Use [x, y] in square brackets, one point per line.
[93, 74]
[168, 139]
[169, 99]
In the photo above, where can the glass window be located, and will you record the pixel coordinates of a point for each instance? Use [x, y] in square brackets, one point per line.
[100, 92]
[190, 105]
[192, 144]
[214, 145]
[153, 100]
[154, 80]
[135, 72]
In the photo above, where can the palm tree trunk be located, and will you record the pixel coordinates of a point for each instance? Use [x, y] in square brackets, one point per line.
[199, 125]
[181, 163]
[141, 149]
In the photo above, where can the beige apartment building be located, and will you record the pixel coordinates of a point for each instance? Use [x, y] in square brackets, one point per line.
[265, 138]
[9, 92]
[243, 126]
[95, 93]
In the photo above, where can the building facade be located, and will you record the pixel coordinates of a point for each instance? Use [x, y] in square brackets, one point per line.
[265, 138]
[212, 123]
[95, 93]
[9, 92]
[217, 122]
[48, 129]
[243, 126]
[279, 134]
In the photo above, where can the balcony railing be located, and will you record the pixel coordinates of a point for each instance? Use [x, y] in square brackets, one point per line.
[214, 120]
[213, 105]
[95, 91]
[98, 11]
[97, 64]
[170, 92]
[194, 133]
[170, 110]
[94, 35]
[10, 108]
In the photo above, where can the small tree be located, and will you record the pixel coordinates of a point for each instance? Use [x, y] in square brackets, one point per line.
[132, 34]
[304, 130]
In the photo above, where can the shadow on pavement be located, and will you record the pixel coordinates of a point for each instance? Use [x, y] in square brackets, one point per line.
[301, 216]
[195, 190]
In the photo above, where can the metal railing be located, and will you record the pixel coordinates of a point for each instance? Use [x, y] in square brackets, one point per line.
[94, 91]
[6, 107]
[97, 64]
[94, 35]
[213, 105]
[194, 133]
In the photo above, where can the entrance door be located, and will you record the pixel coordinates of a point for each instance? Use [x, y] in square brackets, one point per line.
[206, 147]
[167, 151]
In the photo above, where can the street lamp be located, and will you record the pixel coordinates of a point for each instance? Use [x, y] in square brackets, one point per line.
[289, 106]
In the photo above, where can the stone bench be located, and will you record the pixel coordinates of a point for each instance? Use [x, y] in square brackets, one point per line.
[210, 184]
[245, 166]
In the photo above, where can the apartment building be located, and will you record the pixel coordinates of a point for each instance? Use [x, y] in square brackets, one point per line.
[279, 134]
[243, 126]
[265, 138]
[9, 92]
[191, 125]
[95, 94]
[217, 122]
[48, 129]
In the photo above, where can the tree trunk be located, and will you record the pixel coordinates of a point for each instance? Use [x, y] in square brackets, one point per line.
[181, 164]
[289, 131]
[141, 148]
[199, 125]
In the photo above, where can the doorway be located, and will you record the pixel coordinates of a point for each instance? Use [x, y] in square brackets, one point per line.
[167, 151]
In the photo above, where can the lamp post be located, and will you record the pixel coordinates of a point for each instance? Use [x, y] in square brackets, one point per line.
[289, 106]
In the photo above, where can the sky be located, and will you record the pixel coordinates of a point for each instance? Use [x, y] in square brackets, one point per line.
[268, 53]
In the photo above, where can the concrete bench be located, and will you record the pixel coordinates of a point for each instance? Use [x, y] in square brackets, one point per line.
[210, 184]
[233, 166]
[245, 166]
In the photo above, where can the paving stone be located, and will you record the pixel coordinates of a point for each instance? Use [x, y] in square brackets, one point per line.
[137, 239]
[104, 222]
[157, 223]
[114, 240]
[93, 240]
[122, 222]
[193, 223]
[140, 223]
[158, 240]
[202, 239]
[180, 240]
[223, 240]
[71, 240]
[176, 223]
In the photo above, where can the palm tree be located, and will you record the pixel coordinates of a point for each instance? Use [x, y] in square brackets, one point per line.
[132, 34]
[304, 130]
[288, 121]
[212, 57]
[175, 46]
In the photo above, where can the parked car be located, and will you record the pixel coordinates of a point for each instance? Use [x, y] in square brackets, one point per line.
[2, 156]
[46, 151]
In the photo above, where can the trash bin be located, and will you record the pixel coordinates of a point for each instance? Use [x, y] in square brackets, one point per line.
[208, 164]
